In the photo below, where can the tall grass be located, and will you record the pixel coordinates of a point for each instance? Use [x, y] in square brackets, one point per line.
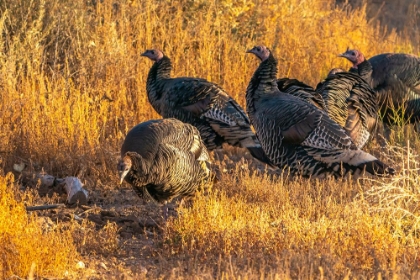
[72, 83]
[304, 229]
[401, 15]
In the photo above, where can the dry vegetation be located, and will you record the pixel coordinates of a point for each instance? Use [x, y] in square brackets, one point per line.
[72, 83]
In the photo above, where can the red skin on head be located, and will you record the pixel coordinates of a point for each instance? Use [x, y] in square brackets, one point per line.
[354, 56]
[262, 52]
[154, 55]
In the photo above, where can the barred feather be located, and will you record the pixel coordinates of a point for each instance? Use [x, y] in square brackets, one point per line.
[297, 135]
[203, 104]
[352, 103]
[164, 159]
[301, 90]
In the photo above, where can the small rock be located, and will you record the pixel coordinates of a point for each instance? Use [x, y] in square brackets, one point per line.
[77, 218]
[46, 180]
[103, 266]
[75, 191]
[18, 167]
[80, 265]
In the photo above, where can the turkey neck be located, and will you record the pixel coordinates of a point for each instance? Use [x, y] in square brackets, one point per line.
[160, 70]
[263, 82]
[364, 70]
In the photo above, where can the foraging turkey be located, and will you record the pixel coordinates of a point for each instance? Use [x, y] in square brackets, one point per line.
[301, 90]
[203, 104]
[163, 159]
[296, 134]
[351, 103]
[396, 79]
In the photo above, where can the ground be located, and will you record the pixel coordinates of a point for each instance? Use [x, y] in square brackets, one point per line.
[139, 223]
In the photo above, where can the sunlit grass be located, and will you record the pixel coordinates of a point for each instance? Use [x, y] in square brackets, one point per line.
[27, 240]
[35, 245]
[365, 228]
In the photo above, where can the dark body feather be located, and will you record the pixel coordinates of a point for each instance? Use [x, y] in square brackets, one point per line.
[396, 79]
[168, 159]
[203, 104]
[297, 135]
[351, 103]
[301, 90]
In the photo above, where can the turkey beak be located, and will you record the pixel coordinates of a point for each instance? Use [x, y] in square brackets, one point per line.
[342, 55]
[144, 54]
[249, 51]
[122, 175]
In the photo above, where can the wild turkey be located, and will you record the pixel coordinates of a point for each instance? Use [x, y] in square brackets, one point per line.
[301, 90]
[296, 134]
[163, 159]
[203, 104]
[396, 79]
[351, 103]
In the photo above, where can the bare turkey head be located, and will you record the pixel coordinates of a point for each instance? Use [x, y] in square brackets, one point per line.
[154, 54]
[354, 56]
[124, 166]
[262, 52]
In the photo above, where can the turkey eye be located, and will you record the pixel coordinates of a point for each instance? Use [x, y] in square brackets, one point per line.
[353, 53]
[258, 49]
[153, 52]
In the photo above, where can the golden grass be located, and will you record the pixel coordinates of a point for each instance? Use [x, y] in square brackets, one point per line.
[63, 61]
[72, 83]
[345, 228]
[27, 240]
[34, 245]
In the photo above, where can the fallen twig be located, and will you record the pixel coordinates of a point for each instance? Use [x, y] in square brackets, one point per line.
[44, 207]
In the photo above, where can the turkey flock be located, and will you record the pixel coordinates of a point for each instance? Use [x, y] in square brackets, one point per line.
[305, 131]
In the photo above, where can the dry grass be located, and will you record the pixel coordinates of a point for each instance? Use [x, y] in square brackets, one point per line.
[72, 83]
[29, 240]
[400, 15]
[35, 245]
[305, 228]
